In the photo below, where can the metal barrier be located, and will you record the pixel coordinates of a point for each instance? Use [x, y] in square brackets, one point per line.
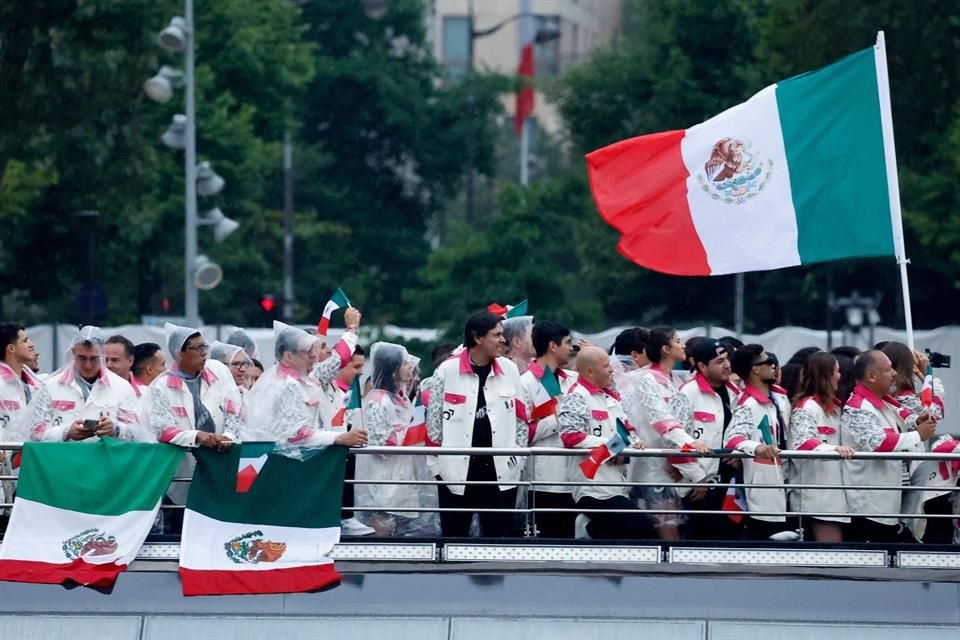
[531, 511]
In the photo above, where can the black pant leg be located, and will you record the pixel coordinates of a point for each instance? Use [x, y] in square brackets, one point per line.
[453, 524]
[350, 473]
[554, 525]
[616, 526]
[495, 525]
[939, 530]
[709, 527]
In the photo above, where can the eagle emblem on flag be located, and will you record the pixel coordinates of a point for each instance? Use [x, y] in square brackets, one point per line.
[249, 548]
[89, 543]
[733, 173]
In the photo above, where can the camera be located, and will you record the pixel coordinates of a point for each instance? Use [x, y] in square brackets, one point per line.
[938, 360]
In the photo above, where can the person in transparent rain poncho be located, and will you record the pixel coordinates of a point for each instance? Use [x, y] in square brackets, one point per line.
[240, 338]
[84, 399]
[389, 417]
[284, 405]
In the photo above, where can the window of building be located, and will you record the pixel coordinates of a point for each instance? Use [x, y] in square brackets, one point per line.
[546, 56]
[456, 45]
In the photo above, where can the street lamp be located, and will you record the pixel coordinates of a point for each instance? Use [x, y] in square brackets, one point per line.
[159, 88]
[858, 310]
[542, 36]
[175, 136]
[198, 271]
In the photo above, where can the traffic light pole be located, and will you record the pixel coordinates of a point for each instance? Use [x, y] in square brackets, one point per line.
[288, 303]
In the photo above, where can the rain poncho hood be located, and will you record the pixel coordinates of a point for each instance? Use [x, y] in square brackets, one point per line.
[386, 359]
[90, 335]
[242, 339]
[224, 352]
[176, 336]
[287, 338]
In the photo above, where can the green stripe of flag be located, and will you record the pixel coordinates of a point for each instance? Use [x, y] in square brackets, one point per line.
[287, 492]
[340, 298]
[106, 477]
[833, 138]
[550, 383]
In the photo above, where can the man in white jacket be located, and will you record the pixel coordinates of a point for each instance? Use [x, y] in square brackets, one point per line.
[84, 399]
[553, 348]
[18, 384]
[873, 420]
[588, 415]
[474, 400]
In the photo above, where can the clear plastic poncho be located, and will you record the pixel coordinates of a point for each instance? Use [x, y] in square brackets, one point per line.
[392, 420]
[224, 352]
[176, 336]
[242, 339]
[284, 405]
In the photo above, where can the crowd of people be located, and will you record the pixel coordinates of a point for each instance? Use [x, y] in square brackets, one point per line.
[516, 383]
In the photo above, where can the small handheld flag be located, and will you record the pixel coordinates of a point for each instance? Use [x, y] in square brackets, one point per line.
[612, 448]
[545, 400]
[509, 311]
[337, 301]
[926, 392]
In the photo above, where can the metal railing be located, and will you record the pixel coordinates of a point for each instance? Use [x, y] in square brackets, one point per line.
[529, 486]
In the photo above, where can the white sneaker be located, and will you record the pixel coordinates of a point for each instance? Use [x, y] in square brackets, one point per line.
[580, 527]
[785, 536]
[353, 527]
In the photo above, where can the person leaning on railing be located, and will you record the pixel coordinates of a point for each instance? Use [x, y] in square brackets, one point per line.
[815, 426]
[910, 367]
[704, 407]
[758, 428]
[873, 420]
[588, 415]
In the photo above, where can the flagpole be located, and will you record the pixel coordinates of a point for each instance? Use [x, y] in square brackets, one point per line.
[525, 153]
[893, 183]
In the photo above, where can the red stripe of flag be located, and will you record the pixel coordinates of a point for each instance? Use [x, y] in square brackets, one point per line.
[640, 188]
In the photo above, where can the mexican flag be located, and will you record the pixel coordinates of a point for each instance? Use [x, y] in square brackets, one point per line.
[735, 504]
[274, 538]
[416, 433]
[510, 310]
[83, 509]
[337, 301]
[545, 400]
[926, 391]
[619, 441]
[802, 172]
[353, 401]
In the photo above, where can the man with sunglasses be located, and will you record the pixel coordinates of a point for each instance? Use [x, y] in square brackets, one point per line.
[759, 429]
[84, 399]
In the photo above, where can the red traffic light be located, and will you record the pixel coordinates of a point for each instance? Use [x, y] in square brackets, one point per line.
[267, 303]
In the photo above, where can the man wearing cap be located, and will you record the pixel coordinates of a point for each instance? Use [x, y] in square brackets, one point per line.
[284, 406]
[194, 403]
[85, 399]
[704, 407]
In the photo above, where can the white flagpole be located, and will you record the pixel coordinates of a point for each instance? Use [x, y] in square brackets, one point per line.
[893, 183]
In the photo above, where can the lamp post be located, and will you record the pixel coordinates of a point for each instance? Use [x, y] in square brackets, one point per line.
[198, 271]
[859, 310]
[541, 36]
[191, 300]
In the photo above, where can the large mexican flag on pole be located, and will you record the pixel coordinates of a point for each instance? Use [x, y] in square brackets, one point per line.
[802, 172]
[83, 509]
[274, 537]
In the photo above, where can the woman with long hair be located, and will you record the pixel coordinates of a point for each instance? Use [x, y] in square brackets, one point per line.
[910, 367]
[389, 417]
[815, 426]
